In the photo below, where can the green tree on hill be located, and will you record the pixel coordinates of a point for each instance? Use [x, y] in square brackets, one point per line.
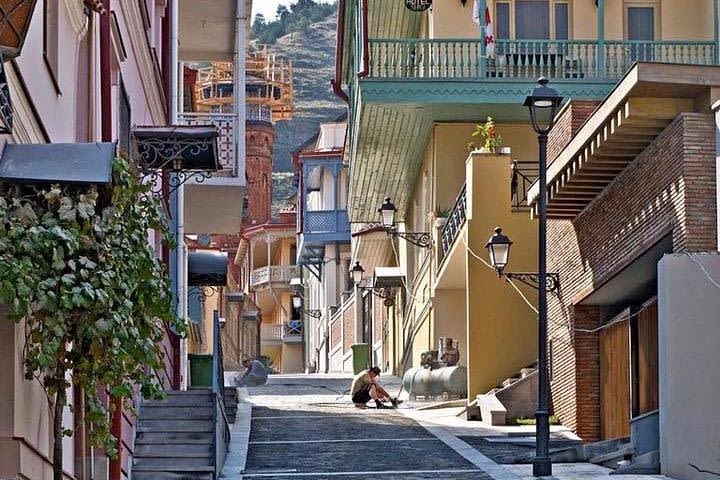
[297, 18]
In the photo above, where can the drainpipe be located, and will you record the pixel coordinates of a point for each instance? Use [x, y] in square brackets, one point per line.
[716, 109]
[106, 135]
[179, 192]
[339, 41]
[716, 17]
[239, 90]
[365, 42]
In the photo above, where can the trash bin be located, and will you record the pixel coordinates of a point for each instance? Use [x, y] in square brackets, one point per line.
[200, 370]
[361, 356]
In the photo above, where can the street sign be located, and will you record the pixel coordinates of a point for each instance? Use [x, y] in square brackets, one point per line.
[418, 5]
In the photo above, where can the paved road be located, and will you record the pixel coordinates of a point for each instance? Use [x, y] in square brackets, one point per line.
[303, 427]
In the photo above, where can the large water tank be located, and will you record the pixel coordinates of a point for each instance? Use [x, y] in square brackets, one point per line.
[424, 382]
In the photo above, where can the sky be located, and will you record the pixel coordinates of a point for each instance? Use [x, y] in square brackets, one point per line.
[269, 7]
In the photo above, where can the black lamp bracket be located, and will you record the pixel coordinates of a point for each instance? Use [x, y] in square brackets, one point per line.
[382, 292]
[203, 293]
[533, 280]
[419, 239]
[180, 177]
[313, 313]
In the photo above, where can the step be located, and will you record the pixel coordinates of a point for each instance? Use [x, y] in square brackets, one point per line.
[171, 412]
[174, 425]
[614, 456]
[183, 450]
[171, 465]
[192, 391]
[509, 381]
[527, 371]
[155, 438]
[180, 401]
[152, 475]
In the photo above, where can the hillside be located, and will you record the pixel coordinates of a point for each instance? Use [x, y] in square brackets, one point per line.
[312, 52]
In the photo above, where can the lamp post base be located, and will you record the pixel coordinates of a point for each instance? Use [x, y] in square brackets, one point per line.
[542, 467]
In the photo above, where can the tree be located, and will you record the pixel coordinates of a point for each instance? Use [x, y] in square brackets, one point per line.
[93, 299]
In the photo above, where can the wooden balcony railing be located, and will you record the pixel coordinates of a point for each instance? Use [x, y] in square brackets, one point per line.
[273, 274]
[527, 59]
[272, 332]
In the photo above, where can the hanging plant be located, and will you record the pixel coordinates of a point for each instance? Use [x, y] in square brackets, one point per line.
[489, 139]
[92, 298]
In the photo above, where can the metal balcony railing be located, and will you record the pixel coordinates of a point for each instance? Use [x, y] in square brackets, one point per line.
[326, 221]
[293, 328]
[273, 274]
[258, 113]
[524, 175]
[527, 59]
[226, 143]
[454, 225]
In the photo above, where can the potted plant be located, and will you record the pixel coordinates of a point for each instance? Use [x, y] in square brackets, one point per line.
[488, 139]
[441, 217]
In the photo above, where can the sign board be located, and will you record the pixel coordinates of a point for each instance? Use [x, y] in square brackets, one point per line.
[418, 5]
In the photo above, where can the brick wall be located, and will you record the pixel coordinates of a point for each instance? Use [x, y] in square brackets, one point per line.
[335, 333]
[669, 188]
[567, 124]
[379, 310]
[259, 148]
[348, 325]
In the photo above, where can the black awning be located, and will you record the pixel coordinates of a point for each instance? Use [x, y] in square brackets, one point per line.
[207, 268]
[177, 148]
[81, 163]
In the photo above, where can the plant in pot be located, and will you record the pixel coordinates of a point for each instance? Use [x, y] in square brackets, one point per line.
[485, 137]
[441, 217]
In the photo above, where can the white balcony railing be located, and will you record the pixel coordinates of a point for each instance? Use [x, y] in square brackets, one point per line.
[226, 143]
[273, 274]
[271, 332]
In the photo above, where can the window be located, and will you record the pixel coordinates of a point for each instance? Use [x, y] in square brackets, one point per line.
[532, 19]
[124, 121]
[641, 23]
[51, 40]
[502, 20]
[562, 31]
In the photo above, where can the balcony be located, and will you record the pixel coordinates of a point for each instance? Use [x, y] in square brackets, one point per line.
[527, 59]
[226, 143]
[293, 332]
[271, 333]
[277, 274]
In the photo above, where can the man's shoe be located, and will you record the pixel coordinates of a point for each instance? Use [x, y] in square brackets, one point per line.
[395, 402]
[380, 406]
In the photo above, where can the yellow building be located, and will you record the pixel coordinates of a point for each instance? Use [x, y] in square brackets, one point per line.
[416, 84]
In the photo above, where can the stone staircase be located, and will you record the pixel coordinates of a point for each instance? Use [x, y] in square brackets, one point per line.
[174, 438]
[230, 397]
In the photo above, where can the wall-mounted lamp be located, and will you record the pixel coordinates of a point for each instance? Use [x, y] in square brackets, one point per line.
[387, 219]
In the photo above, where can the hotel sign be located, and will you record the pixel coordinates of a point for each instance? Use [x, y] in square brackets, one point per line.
[418, 5]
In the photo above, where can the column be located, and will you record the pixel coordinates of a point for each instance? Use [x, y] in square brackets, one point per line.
[601, 38]
[482, 4]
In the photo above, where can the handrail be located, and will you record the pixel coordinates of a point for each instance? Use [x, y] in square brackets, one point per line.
[221, 430]
[527, 59]
[454, 225]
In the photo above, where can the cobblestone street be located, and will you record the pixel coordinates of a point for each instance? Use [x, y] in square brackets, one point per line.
[303, 427]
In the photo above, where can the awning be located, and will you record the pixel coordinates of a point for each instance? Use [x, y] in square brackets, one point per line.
[207, 268]
[177, 148]
[80, 163]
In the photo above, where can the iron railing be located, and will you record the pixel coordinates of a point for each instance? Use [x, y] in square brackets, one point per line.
[527, 59]
[455, 223]
[293, 328]
[221, 429]
[524, 175]
[225, 122]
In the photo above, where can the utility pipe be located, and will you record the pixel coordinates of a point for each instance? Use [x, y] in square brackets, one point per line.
[336, 83]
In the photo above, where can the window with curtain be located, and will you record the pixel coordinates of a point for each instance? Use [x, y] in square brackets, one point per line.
[532, 19]
[641, 23]
[502, 20]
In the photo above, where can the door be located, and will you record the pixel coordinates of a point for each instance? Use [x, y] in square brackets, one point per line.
[615, 380]
[641, 32]
[647, 359]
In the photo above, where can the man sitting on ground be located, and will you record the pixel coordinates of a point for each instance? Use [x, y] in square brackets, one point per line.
[254, 376]
[365, 388]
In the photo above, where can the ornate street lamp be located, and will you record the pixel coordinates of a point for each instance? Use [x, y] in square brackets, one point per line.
[543, 104]
[498, 247]
[357, 272]
[297, 303]
[387, 219]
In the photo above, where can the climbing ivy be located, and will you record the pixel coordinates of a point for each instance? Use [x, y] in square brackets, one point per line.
[94, 302]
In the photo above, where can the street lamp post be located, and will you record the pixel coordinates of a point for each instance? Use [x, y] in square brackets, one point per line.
[543, 103]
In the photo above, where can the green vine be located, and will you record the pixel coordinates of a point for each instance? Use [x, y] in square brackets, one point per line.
[79, 275]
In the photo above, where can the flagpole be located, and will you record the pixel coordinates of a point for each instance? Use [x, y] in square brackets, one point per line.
[482, 5]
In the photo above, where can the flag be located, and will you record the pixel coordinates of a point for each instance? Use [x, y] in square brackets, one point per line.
[489, 38]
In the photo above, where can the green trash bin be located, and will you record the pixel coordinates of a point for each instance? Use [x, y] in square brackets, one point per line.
[361, 356]
[200, 370]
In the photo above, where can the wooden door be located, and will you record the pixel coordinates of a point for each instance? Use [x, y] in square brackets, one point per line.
[615, 381]
[647, 359]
